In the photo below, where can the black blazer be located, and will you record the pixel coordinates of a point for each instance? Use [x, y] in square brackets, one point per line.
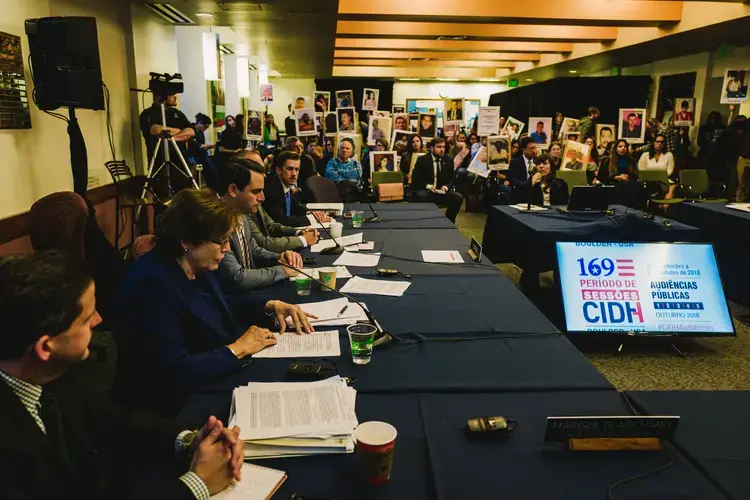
[101, 439]
[424, 173]
[275, 204]
[606, 178]
[558, 193]
[517, 172]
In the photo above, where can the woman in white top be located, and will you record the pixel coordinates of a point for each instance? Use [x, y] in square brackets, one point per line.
[657, 158]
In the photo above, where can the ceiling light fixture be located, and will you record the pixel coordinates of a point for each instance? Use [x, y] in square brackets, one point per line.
[204, 15]
[408, 79]
[489, 79]
[573, 71]
[448, 79]
[529, 79]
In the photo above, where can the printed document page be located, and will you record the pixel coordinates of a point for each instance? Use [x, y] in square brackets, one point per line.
[375, 287]
[356, 259]
[445, 256]
[313, 345]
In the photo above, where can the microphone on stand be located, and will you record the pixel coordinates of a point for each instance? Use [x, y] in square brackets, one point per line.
[381, 337]
[375, 217]
[532, 171]
[338, 249]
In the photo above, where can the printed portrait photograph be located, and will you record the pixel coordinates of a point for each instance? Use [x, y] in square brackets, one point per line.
[573, 136]
[305, 119]
[632, 128]
[454, 110]
[370, 99]
[344, 99]
[605, 135]
[346, 120]
[379, 128]
[413, 121]
[254, 125]
[540, 129]
[331, 124]
[400, 138]
[498, 148]
[568, 125]
[322, 101]
[684, 112]
[427, 126]
[300, 102]
[575, 157]
[266, 93]
[398, 108]
[513, 128]
[400, 121]
[383, 161]
[357, 143]
[734, 90]
[451, 128]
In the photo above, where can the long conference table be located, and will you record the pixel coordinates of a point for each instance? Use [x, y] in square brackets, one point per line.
[467, 343]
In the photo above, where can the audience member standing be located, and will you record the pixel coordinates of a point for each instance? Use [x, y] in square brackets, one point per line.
[587, 124]
[271, 134]
[741, 136]
[710, 141]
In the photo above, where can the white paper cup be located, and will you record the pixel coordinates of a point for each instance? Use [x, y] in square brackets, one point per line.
[327, 276]
[336, 228]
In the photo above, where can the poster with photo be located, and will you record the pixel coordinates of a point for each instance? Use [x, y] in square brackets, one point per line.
[471, 111]
[454, 111]
[379, 128]
[605, 135]
[347, 118]
[513, 128]
[573, 136]
[684, 112]
[370, 99]
[305, 120]
[568, 125]
[575, 157]
[302, 102]
[398, 108]
[322, 101]
[427, 128]
[489, 121]
[344, 99]
[255, 125]
[399, 136]
[478, 165]
[540, 129]
[632, 125]
[734, 88]
[331, 124]
[413, 121]
[450, 129]
[319, 121]
[498, 152]
[357, 143]
[382, 161]
[266, 93]
[400, 121]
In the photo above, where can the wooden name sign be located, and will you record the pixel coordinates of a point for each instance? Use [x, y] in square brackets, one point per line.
[475, 250]
[611, 433]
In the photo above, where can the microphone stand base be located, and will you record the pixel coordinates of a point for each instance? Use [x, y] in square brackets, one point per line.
[337, 250]
[383, 339]
[373, 219]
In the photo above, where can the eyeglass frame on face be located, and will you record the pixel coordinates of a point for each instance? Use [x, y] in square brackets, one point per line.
[223, 243]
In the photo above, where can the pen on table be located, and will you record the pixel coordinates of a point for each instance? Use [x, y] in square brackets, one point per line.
[342, 311]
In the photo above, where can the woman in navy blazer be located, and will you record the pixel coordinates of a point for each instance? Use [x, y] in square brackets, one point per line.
[176, 331]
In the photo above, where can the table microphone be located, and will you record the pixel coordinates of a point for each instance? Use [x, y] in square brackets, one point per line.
[375, 217]
[530, 190]
[338, 249]
[381, 337]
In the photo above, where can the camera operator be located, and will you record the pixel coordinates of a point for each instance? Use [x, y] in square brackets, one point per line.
[180, 129]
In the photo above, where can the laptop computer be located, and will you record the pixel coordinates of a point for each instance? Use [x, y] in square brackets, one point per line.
[590, 198]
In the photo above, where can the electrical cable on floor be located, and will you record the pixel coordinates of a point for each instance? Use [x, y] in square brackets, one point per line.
[642, 475]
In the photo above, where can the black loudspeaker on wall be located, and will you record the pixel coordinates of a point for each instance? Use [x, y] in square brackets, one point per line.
[65, 62]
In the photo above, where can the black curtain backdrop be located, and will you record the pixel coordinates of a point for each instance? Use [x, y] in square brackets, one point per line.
[573, 96]
[358, 85]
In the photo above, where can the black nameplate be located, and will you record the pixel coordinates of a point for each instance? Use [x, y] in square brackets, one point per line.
[475, 250]
[564, 428]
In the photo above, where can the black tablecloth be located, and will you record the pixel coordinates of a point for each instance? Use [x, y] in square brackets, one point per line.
[729, 230]
[531, 363]
[528, 239]
[402, 216]
[433, 459]
[711, 432]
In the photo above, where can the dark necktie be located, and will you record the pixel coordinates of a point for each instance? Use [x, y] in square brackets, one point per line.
[437, 172]
[288, 203]
[53, 423]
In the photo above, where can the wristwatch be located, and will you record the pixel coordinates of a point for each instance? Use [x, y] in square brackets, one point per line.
[187, 443]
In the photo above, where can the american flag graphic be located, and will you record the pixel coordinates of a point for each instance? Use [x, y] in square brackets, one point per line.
[625, 267]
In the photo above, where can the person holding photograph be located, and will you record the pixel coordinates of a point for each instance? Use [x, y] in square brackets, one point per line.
[587, 124]
[540, 136]
[346, 171]
[271, 133]
[546, 188]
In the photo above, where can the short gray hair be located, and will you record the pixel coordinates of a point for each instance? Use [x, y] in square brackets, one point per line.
[290, 141]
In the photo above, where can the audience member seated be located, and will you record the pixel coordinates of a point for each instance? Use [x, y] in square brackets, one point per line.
[346, 171]
[247, 265]
[546, 188]
[621, 170]
[518, 169]
[380, 145]
[460, 137]
[282, 194]
[175, 331]
[271, 134]
[414, 146]
[433, 179]
[555, 156]
[65, 444]
[306, 163]
[658, 158]
[515, 148]
[230, 139]
[592, 168]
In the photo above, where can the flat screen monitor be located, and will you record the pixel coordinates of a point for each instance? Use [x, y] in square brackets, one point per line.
[642, 288]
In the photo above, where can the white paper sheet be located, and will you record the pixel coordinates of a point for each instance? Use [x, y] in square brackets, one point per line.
[358, 259]
[745, 207]
[344, 241]
[329, 313]
[367, 245]
[317, 224]
[341, 273]
[313, 345]
[258, 483]
[327, 207]
[364, 286]
[447, 256]
[524, 207]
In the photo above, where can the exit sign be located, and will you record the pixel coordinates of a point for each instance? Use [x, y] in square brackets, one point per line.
[513, 83]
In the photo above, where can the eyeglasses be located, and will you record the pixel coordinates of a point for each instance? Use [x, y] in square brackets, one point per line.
[658, 141]
[221, 243]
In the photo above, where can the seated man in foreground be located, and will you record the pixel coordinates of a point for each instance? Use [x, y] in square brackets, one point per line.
[433, 179]
[247, 266]
[58, 447]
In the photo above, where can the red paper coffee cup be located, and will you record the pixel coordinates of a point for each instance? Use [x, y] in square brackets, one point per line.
[375, 447]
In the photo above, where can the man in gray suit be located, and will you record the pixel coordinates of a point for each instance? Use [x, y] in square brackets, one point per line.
[247, 265]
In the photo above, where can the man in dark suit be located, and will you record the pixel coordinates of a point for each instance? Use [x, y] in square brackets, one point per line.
[518, 170]
[56, 445]
[282, 196]
[432, 180]
[306, 163]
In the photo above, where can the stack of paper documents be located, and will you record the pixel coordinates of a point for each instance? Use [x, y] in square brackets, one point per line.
[309, 345]
[344, 241]
[375, 287]
[356, 259]
[341, 273]
[338, 208]
[524, 207]
[745, 207]
[336, 312]
[316, 224]
[365, 245]
[443, 256]
[288, 419]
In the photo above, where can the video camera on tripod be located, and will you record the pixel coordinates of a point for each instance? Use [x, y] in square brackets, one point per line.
[163, 84]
